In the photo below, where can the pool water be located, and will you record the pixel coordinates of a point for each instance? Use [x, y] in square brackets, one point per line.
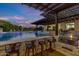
[4, 36]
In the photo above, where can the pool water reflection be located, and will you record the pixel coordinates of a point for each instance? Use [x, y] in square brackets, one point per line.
[4, 36]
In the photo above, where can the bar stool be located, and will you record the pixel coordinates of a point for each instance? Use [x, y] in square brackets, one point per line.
[2, 50]
[53, 40]
[46, 43]
[30, 45]
[17, 48]
[41, 43]
[46, 46]
[12, 48]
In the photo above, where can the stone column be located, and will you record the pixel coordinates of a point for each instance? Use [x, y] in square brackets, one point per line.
[63, 25]
[77, 25]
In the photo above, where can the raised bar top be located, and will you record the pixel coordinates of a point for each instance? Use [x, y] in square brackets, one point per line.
[22, 40]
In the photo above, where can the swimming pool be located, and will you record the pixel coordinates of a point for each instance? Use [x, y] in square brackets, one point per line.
[5, 36]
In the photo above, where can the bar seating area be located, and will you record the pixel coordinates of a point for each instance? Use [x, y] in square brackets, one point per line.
[29, 48]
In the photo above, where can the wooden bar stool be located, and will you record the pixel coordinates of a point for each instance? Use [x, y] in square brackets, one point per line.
[12, 48]
[30, 46]
[41, 43]
[17, 48]
[8, 49]
[45, 42]
[46, 45]
[2, 50]
[53, 40]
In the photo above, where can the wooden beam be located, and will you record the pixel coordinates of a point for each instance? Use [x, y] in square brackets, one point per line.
[56, 24]
[64, 6]
[46, 6]
[48, 9]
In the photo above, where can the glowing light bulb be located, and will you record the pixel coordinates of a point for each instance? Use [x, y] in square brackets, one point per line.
[71, 37]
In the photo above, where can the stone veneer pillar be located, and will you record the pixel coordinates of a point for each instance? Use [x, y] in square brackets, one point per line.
[62, 25]
[77, 25]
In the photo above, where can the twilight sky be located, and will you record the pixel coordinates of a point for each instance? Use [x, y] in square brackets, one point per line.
[19, 14]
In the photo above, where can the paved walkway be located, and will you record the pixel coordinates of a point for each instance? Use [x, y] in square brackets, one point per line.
[51, 53]
[55, 53]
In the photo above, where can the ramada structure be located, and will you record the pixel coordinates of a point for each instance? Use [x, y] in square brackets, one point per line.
[58, 16]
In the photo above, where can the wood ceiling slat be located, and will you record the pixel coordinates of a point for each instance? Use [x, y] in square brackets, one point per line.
[65, 6]
[46, 6]
[52, 7]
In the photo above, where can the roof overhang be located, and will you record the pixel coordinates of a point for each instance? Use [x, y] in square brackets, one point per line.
[65, 12]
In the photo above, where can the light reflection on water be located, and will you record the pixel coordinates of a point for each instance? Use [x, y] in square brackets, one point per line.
[4, 36]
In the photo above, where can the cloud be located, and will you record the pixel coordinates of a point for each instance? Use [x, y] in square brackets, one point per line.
[13, 17]
[18, 17]
[3, 18]
[17, 20]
